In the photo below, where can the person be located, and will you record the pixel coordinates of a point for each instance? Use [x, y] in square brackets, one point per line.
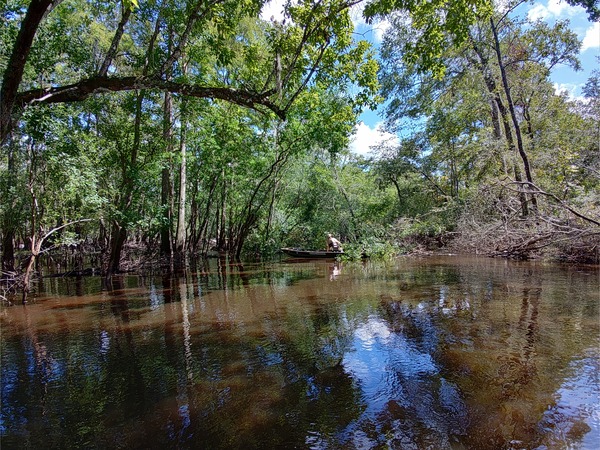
[333, 244]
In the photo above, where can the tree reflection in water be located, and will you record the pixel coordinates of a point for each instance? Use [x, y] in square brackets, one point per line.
[424, 353]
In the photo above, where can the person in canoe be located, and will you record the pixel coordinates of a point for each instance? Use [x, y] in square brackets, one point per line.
[333, 244]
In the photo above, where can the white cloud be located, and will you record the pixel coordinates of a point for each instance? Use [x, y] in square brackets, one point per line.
[538, 12]
[366, 138]
[377, 28]
[356, 14]
[557, 7]
[569, 89]
[553, 9]
[592, 37]
[273, 10]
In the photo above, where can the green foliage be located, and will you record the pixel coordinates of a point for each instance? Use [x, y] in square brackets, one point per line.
[438, 24]
[256, 183]
[372, 248]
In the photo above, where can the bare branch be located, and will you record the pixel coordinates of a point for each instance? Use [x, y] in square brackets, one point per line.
[54, 230]
[557, 200]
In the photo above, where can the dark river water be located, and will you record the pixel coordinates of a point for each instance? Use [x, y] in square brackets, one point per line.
[425, 353]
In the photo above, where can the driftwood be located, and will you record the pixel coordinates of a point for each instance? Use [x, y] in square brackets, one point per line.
[494, 226]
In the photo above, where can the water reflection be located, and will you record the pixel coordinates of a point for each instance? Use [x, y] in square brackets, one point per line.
[424, 353]
[409, 403]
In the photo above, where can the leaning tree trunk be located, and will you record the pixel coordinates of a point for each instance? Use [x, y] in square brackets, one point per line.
[492, 88]
[513, 114]
[15, 68]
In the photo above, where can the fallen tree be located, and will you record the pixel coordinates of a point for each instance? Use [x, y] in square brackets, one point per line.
[493, 225]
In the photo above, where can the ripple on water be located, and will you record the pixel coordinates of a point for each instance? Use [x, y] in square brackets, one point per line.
[574, 421]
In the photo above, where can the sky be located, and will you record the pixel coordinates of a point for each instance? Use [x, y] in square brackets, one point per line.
[369, 130]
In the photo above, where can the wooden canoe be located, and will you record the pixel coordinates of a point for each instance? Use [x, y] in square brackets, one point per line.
[299, 253]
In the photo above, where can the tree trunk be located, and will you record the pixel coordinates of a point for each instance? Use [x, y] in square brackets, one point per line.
[166, 244]
[28, 272]
[8, 221]
[13, 73]
[119, 230]
[491, 85]
[180, 236]
[118, 238]
[8, 247]
[165, 197]
[114, 45]
[34, 219]
[511, 108]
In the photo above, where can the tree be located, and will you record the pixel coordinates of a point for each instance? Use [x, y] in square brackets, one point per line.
[231, 56]
[437, 25]
[319, 31]
[515, 125]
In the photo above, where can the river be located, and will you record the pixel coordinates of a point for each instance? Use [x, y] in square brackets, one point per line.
[440, 352]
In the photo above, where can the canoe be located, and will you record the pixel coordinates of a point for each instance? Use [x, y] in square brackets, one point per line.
[299, 253]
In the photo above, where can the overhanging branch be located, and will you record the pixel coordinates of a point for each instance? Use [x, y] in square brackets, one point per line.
[83, 89]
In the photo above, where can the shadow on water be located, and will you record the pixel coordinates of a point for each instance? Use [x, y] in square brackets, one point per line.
[443, 353]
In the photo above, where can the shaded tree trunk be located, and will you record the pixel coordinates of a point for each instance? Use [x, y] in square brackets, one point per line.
[8, 221]
[119, 226]
[119, 229]
[118, 238]
[8, 246]
[13, 73]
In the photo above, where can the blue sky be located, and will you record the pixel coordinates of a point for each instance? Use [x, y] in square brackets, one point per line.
[368, 131]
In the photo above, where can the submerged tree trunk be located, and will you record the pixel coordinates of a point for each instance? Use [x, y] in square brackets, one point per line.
[118, 238]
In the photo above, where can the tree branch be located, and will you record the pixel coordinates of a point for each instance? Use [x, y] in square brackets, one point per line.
[557, 200]
[83, 89]
[114, 45]
[54, 230]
